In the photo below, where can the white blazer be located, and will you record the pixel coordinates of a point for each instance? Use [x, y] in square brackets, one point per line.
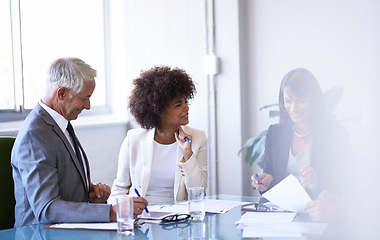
[135, 162]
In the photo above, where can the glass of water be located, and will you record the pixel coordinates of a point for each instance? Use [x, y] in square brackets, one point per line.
[197, 203]
[124, 215]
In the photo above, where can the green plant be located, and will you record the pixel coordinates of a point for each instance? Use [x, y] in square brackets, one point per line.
[254, 146]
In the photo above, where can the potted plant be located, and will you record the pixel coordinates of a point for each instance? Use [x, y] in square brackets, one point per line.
[254, 146]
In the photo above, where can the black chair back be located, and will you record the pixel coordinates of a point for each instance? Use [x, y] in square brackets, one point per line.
[7, 199]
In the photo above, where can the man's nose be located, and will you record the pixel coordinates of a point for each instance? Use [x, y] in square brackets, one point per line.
[87, 104]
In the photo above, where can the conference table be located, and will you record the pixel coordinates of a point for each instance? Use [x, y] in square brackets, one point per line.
[215, 226]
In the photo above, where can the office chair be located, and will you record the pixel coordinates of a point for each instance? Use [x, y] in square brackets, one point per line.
[7, 200]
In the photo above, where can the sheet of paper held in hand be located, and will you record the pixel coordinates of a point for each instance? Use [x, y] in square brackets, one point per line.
[288, 194]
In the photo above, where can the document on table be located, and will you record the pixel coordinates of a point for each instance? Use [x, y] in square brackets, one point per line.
[211, 206]
[288, 194]
[252, 218]
[292, 229]
[222, 206]
[154, 216]
[84, 226]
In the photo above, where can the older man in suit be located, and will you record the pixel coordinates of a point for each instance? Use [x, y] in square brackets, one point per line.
[50, 168]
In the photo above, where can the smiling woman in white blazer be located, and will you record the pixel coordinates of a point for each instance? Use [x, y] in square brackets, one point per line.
[163, 158]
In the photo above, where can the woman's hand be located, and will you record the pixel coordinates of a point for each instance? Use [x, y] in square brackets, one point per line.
[265, 181]
[139, 204]
[322, 210]
[184, 144]
[308, 178]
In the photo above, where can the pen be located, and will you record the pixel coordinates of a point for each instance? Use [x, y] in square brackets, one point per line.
[138, 194]
[186, 138]
[258, 179]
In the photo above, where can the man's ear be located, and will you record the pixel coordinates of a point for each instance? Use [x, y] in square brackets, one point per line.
[62, 93]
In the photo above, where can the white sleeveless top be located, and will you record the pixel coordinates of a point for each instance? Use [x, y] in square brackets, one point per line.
[164, 163]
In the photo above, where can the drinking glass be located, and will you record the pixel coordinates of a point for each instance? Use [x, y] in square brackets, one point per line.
[197, 203]
[124, 215]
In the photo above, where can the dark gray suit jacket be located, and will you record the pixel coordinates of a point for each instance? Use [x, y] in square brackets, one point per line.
[49, 183]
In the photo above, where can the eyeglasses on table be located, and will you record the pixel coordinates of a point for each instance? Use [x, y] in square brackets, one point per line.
[175, 218]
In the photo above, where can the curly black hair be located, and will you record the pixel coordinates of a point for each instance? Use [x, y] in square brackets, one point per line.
[154, 90]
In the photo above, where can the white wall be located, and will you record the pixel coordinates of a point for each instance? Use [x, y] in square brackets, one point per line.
[168, 32]
[228, 98]
[102, 144]
[336, 40]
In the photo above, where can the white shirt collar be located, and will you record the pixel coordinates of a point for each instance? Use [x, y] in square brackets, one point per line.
[58, 118]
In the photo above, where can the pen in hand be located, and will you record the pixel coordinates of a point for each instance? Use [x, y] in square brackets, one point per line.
[186, 138]
[258, 179]
[138, 194]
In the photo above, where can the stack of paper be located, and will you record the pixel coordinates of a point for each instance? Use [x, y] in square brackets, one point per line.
[276, 224]
[252, 218]
[292, 229]
[289, 195]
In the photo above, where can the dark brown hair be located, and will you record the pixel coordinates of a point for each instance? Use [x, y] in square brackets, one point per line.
[303, 84]
[154, 90]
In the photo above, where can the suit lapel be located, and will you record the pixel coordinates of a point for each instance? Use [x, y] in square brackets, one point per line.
[147, 153]
[284, 140]
[50, 121]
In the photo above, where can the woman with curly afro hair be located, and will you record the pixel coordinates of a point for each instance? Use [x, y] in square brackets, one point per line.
[164, 157]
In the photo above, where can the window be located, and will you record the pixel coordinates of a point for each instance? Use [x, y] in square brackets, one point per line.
[40, 31]
[7, 89]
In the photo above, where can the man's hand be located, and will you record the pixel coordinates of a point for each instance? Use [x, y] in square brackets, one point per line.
[99, 193]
